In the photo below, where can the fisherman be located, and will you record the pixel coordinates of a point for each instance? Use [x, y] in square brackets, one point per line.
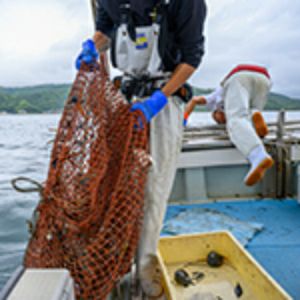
[158, 45]
[244, 89]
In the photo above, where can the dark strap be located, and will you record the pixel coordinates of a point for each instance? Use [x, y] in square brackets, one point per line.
[127, 17]
[185, 93]
[144, 87]
[164, 40]
[139, 87]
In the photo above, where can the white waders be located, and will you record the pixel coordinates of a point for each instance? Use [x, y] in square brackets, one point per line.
[242, 92]
[165, 145]
[137, 59]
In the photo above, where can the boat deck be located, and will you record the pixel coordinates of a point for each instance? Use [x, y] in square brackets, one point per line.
[277, 247]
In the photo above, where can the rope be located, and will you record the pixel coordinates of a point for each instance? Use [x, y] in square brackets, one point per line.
[37, 187]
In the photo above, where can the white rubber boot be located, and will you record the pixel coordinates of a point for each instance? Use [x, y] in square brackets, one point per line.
[260, 161]
[151, 280]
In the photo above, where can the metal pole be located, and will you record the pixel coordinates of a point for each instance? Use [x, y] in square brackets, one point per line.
[94, 9]
[103, 55]
[280, 155]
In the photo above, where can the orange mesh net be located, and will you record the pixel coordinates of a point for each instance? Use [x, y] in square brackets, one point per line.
[91, 210]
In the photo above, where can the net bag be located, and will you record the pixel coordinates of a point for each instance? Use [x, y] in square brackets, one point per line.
[91, 209]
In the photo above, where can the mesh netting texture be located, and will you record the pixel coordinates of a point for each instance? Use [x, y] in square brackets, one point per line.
[91, 212]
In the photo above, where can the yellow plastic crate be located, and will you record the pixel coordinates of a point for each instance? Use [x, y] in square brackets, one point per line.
[189, 252]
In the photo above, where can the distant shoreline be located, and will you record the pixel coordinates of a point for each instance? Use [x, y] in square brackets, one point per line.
[50, 99]
[31, 114]
[3, 114]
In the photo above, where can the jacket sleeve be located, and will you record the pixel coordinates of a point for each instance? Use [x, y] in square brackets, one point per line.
[213, 99]
[189, 34]
[103, 21]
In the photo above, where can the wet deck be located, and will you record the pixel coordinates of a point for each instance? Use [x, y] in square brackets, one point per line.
[277, 247]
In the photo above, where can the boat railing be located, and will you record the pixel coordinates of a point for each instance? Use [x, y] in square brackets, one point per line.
[282, 142]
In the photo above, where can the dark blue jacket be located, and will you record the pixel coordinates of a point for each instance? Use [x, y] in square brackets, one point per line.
[185, 22]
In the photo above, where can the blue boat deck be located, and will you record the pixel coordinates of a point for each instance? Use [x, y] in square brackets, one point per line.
[277, 247]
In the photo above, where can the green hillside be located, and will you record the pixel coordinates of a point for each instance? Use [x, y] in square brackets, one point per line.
[275, 101]
[51, 98]
[35, 99]
[278, 102]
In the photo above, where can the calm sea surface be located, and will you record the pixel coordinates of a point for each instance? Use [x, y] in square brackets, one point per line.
[24, 151]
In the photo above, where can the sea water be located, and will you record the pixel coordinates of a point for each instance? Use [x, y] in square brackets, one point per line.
[25, 146]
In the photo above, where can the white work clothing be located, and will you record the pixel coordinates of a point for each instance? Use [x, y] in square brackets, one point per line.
[165, 145]
[241, 93]
[215, 100]
[256, 157]
[140, 57]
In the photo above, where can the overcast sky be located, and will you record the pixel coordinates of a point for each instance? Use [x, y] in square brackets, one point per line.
[39, 40]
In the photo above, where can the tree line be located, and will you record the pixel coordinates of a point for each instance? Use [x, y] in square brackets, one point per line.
[51, 99]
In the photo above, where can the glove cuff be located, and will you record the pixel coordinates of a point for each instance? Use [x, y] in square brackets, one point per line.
[152, 106]
[156, 103]
[160, 97]
[185, 118]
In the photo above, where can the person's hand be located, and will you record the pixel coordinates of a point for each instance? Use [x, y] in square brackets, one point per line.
[151, 106]
[88, 54]
[102, 42]
[197, 100]
[200, 100]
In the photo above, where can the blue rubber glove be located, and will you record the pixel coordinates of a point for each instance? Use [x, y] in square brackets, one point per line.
[88, 54]
[151, 106]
